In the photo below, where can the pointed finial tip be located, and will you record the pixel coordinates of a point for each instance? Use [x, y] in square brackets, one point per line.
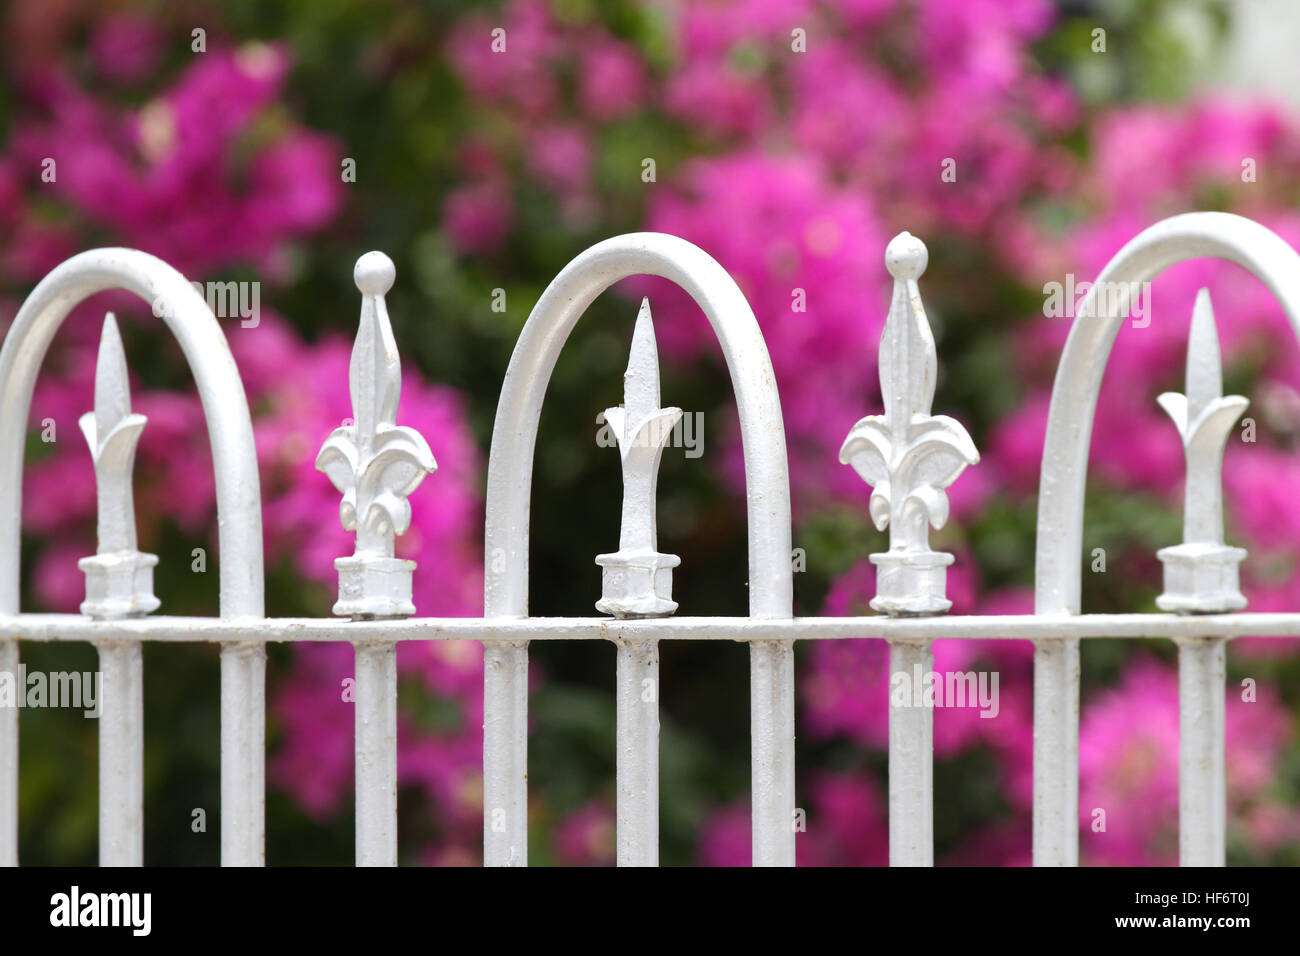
[1203, 302]
[906, 256]
[110, 339]
[1204, 333]
[374, 273]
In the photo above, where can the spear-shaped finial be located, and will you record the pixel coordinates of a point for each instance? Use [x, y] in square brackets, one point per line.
[374, 462]
[1201, 573]
[1204, 363]
[119, 579]
[908, 363]
[636, 581]
[907, 455]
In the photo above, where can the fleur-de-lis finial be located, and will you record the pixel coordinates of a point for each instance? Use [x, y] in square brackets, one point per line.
[907, 455]
[1201, 573]
[374, 462]
[636, 580]
[119, 578]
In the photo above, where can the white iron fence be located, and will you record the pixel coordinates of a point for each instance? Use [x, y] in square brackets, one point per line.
[907, 455]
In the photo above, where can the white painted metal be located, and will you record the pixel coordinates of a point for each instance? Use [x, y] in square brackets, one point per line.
[9, 764]
[1202, 698]
[911, 763]
[1200, 578]
[121, 754]
[1064, 474]
[119, 583]
[243, 754]
[1201, 573]
[1009, 627]
[505, 749]
[637, 755]
[1056, 747]
[509, 482]
[907, 454]
[375, 463]
[771, 759]
[119, 579]
[636, 582]
[376, 753]
[239, 509]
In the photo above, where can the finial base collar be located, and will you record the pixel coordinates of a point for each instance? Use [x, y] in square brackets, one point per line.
[374, 586]
[637, 584]
[911, 583]
[1201, 578]
[119, 584]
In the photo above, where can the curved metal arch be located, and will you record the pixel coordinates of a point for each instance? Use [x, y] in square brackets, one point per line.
[225, 408]
[1220, 235]
[514, 435]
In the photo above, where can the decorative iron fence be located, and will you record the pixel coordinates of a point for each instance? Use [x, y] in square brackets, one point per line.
[908, 456]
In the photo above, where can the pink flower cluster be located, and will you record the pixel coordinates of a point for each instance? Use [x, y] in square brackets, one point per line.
[196, 176]
[514, 62]
[1128, 770]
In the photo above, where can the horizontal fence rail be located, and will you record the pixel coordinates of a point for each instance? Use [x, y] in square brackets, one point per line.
[908, 456]
[1010, 627]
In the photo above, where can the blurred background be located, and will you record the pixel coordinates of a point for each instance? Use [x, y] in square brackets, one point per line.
[274, 142]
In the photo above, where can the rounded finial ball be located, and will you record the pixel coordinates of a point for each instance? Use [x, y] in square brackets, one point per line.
[906, 256]
[374, 273]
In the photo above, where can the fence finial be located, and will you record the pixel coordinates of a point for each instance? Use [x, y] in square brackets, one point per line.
[119, 578]
[374, 462]
[637, 580]
[907, 455]
[1201, 573]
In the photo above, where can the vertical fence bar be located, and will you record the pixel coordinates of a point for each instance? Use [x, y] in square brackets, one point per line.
[376, 754]
[375, 463]
[637, 755]
[121, 754]
[9, 761]
[119, 583]
[911, 758]
[1056, 752]
[243, 749]
[1201, 577]
[1201, 711]
[505, 754]
[771, 730]
[908, 456]
[636, 581]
